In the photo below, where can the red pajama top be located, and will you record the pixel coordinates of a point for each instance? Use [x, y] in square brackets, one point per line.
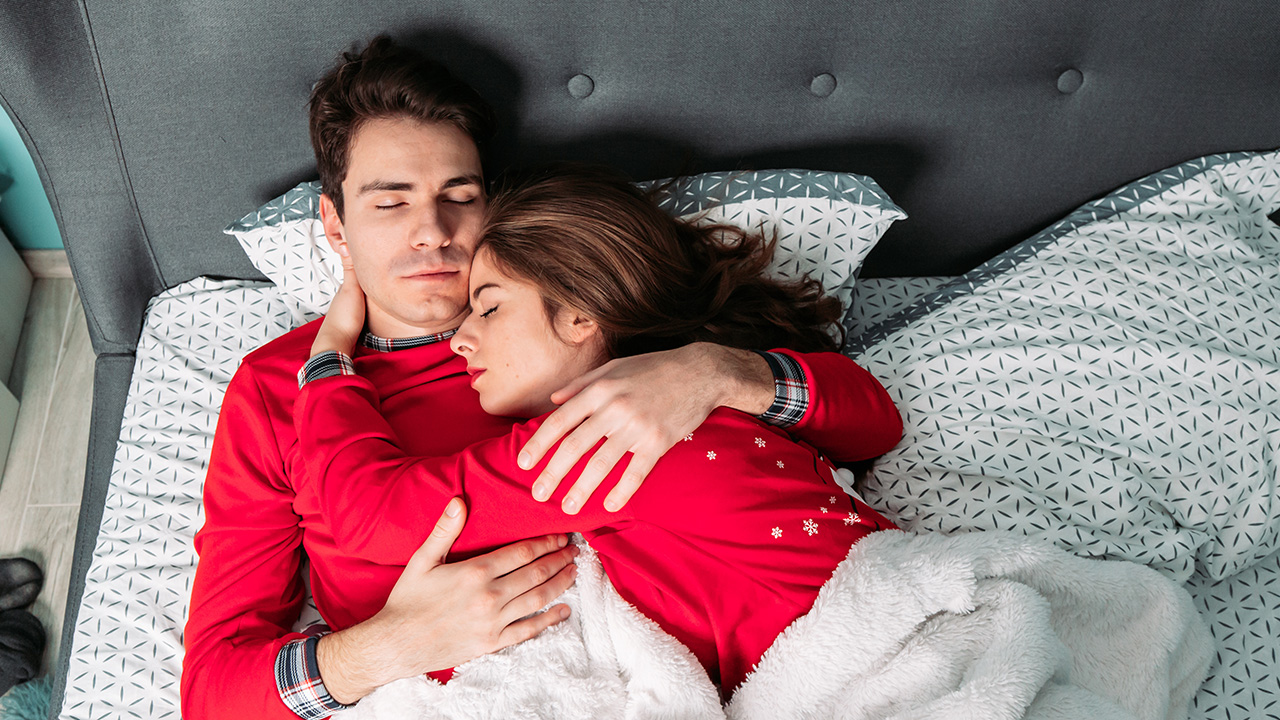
[728, 541]
[263, 517]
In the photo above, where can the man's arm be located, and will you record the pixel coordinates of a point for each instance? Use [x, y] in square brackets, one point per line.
[248, 588]
[646, 403]
[479, 606]
[248, 591]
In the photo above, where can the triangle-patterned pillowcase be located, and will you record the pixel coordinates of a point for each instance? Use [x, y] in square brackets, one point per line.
[826, 224]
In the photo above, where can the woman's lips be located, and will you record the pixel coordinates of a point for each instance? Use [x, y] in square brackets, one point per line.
[475, 374]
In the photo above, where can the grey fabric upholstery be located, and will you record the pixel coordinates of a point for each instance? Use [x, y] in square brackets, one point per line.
[111, 375]
[154, 123]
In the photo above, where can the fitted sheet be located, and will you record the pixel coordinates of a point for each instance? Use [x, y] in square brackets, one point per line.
[127, 645]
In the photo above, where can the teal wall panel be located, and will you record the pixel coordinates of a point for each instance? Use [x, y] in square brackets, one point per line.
[25, 214]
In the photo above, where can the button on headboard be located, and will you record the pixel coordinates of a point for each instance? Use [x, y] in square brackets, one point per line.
[157, 122]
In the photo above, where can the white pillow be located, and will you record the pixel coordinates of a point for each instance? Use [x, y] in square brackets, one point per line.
[826, 224]
[1112, 383]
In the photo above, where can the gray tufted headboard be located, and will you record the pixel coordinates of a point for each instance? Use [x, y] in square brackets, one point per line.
[154, 123]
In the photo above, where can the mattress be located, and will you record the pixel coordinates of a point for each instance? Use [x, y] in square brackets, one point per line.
[127, 644]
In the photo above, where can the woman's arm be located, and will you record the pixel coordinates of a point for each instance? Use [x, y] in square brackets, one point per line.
[379, 502]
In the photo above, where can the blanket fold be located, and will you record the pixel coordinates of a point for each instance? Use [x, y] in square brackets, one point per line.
[984, 625]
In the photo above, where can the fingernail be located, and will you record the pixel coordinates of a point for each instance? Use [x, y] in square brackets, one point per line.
[570, 506]
[612, 505]
[523, 460]
[540, 492]
[453, 508]
[563, 541]
[564, 613]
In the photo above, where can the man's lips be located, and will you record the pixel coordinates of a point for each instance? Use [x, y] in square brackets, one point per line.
[433, 274]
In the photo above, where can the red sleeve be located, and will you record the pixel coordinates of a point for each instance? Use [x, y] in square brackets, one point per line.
[248, 589]
[850, 415]
[381, 504]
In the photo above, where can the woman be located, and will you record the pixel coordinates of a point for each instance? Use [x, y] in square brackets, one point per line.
[734, 530]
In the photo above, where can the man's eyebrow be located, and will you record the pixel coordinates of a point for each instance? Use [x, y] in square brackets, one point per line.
[475, 294]
[384, 186]
[374, 186]
[471, 179]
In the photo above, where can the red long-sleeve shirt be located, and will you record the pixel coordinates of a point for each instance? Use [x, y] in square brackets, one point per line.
[728, 541]
[248, 588]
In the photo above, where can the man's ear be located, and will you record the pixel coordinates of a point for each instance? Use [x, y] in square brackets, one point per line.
[333, 230]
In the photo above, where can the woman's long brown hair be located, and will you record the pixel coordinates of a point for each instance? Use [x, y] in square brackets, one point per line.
[592, 242]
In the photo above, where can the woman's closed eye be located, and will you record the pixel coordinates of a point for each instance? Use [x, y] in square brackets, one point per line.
[489, 312]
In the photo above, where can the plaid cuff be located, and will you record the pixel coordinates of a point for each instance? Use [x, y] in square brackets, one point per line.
[790, 390]
[298, 680]
[326, 364]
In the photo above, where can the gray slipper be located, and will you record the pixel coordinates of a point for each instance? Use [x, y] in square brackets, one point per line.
[22, 641]
[20, 583]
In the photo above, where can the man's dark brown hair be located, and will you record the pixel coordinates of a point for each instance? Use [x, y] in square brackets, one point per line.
[386, 80]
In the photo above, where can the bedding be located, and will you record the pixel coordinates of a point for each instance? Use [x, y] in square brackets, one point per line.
[984, 625]
[127, 641]
[1111, 384]
[826, 224]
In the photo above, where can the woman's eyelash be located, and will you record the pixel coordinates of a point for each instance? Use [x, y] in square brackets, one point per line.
[488, 312]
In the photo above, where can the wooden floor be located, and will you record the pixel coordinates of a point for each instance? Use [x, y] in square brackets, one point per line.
[40, 488]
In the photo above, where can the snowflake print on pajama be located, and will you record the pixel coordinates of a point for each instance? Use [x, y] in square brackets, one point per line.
[723, 546]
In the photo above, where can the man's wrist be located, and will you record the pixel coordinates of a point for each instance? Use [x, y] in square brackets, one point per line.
[791, 390]
[344, 667]
[745, 381]
[298, 680]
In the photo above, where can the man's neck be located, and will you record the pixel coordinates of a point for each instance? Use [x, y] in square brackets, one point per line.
[383, 325]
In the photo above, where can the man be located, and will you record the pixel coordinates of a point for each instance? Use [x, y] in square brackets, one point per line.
[397, 144]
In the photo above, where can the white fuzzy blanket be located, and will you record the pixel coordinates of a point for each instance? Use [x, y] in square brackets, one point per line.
[985, 625]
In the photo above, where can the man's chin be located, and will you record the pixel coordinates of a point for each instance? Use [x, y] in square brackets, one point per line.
[432, 316]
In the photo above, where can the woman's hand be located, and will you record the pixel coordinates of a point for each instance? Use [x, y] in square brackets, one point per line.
[344, 322]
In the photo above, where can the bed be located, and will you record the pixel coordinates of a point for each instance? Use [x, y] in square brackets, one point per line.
[991, 123]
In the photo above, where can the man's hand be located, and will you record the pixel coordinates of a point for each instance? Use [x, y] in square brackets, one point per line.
[344, 321]
[644, 405]
[441, 615]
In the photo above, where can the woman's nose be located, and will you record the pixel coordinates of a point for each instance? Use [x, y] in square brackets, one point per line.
[463, 342]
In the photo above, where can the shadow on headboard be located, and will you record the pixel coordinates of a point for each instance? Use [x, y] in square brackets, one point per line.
[641, 153]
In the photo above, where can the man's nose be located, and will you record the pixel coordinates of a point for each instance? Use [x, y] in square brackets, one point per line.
[429, 232]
